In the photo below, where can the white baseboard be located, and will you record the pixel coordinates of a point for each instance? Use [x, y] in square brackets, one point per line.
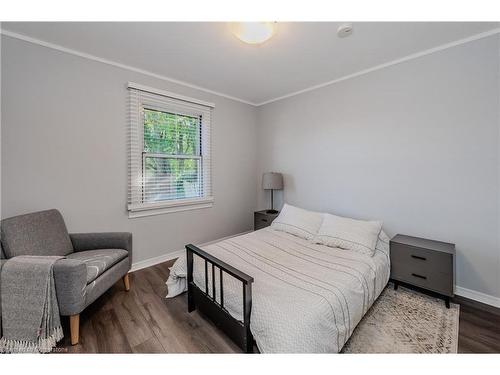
[478, 296]
[173, 255]
[156, 260]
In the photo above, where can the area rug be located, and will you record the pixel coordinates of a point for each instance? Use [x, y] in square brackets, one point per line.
[406, 321]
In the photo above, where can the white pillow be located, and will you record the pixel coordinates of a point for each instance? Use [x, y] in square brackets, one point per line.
[349, 234]
[383, 243]
[299, 222]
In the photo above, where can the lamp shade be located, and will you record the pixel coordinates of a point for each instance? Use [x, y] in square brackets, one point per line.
[272, 180]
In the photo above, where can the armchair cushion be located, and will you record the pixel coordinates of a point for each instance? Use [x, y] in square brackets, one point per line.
[105, 240]
[38, 233]
[98, 261]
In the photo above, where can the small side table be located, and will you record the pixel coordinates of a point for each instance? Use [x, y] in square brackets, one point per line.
[424, 263]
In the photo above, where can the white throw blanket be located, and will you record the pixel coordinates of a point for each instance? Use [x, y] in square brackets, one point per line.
[306, 297]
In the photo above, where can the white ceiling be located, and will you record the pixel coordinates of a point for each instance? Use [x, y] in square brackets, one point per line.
[299, 56]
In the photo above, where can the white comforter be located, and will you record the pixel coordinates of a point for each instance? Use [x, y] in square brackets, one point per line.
[306, 297]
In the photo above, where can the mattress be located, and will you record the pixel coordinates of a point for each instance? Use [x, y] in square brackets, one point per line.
[306, 298]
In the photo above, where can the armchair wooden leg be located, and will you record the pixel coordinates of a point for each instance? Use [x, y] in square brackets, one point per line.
[74, 327]
[126, 282]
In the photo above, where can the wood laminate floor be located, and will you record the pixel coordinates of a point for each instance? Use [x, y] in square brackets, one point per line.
[143, 321]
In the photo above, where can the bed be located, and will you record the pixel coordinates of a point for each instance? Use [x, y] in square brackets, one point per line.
[287, 293]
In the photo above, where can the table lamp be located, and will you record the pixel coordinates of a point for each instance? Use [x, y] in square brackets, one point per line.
[272, 181]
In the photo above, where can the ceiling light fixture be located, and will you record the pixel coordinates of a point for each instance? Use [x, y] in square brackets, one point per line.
[253, 32]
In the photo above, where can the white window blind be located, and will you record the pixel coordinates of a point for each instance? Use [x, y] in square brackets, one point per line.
[170, 156]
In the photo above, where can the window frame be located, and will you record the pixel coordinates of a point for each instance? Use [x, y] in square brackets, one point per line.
[146, 98]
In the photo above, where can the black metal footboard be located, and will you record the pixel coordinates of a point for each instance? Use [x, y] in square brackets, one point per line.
[199, 299]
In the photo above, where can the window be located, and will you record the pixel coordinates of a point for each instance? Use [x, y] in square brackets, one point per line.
[169, 161]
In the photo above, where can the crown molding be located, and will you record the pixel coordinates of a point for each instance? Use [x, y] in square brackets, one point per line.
[295, 93]
[386, 65]
[89, 56]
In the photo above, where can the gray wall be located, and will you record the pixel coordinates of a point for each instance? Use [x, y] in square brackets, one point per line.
[64, 127]
[415, 145]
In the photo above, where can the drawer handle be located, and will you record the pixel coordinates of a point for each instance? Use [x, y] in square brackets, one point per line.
[419, 276]
[264, 220]
[418, 257]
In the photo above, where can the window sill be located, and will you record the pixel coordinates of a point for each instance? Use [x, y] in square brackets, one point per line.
[169, 207]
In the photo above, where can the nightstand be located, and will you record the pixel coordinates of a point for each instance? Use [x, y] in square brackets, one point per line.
[262, 219]
[427, 264]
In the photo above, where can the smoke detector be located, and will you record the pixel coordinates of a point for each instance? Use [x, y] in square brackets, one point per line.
[344, 30]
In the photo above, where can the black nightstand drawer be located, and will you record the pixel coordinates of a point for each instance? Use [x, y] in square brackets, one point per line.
[421, 259]
[436, 281]
[263, 219]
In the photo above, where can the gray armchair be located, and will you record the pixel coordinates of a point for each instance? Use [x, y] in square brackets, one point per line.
[92, 262]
